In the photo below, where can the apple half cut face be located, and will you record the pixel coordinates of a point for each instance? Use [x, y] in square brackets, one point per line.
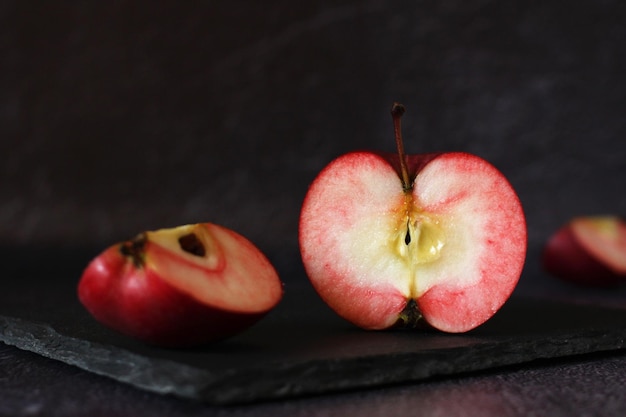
[183, 286]
[444, 250]
[588, 250]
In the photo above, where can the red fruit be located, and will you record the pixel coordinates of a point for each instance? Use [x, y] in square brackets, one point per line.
[183, 286]
[435, 239]
[588, 251]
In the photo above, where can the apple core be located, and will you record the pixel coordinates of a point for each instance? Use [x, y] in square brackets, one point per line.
[423, 241]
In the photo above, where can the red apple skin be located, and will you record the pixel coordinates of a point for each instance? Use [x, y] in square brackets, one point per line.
[378, 303]
[140, 303]
[577, 252]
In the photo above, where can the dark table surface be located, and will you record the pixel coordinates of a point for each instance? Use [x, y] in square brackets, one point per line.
[584, 386]
[119, 117]
[588, 383]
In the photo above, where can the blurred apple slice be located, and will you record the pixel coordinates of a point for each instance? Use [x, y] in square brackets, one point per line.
[183, 286]
[589, 250]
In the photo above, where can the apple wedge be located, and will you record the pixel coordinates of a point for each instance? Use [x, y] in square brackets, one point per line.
[588, 250]
[432, 240]
[183, 286]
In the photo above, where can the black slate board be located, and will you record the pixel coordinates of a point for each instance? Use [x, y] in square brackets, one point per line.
[301, 348]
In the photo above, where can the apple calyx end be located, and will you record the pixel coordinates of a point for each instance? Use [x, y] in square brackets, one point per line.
[410, 317]
[135, 250]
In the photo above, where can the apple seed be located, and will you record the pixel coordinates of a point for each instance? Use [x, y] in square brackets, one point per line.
[191, 244]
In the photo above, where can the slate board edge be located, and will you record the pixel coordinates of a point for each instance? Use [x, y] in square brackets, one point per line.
[296, 378]
[109, 361]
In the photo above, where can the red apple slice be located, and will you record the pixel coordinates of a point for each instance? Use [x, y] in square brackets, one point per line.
[183, 286]
[589, 250]
[435, 239]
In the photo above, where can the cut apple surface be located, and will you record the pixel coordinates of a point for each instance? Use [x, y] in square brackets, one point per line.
[589, 250]
[433, 240]
[182, 286]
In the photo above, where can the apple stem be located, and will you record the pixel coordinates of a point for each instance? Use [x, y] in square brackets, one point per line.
[397, 110]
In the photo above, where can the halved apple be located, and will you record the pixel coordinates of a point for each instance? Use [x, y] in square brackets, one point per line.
[434, 240]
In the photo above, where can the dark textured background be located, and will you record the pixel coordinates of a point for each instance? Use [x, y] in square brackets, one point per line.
[121, 116]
